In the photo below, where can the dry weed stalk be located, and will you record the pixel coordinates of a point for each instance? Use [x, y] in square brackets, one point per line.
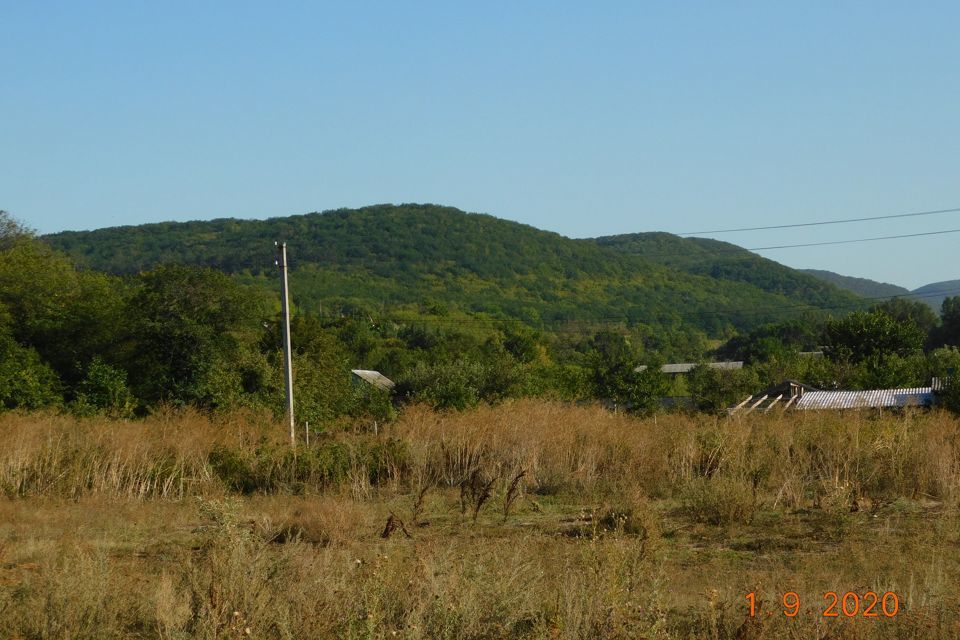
[512, 493]
[417, 510]
[475, 490]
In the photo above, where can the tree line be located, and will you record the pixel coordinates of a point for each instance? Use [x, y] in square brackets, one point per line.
[92, 343]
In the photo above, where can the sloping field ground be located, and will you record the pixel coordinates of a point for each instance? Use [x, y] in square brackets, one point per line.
[525, 520]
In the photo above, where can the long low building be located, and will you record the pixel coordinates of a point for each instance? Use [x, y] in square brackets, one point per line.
[870, 399]
[677, 368]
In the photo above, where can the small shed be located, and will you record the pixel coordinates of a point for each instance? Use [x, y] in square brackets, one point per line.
[373, 378]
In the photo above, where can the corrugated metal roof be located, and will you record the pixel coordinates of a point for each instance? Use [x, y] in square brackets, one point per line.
[871, 399]
[375, 378]
[686, 367]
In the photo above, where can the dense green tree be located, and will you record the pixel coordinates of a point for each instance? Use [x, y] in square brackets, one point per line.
[864, 336]
[67, 315]
[321, 373]
[188, 326]
[890, 371]
[612, 361]
[448, 385]
[615, 374]
[714, 390]
[463, 382]
[949, 331]
[905, 310]
[12, 231]
[26, 382]
[943, 362]
[522, 345]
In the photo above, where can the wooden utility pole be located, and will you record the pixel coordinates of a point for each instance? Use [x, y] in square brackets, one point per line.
[287, 351]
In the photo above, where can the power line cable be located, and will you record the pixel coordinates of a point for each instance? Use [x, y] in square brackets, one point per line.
[738, 249]
[828, 242]
[824, 222]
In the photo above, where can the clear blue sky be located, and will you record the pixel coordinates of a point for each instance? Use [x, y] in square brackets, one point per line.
[582, 118]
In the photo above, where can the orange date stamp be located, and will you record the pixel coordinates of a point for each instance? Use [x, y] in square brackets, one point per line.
[835, 605]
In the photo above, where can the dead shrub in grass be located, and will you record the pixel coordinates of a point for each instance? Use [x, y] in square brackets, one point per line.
[719, 500]
[634, 516]
[73, 594]
[316, 520]
[232, 581]
[171, 607]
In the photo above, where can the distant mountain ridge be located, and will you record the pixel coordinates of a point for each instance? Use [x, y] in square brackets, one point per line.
[443, 260]
[860, 286]
[932, 294]
[935, 292]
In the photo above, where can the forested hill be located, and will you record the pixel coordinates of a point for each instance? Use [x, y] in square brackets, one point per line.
[441, 261]
[725, 261]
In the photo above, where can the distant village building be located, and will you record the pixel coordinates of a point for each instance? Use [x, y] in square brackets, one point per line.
[686, 367]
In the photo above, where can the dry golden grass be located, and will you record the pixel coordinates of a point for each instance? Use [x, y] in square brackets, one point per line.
[617, 527]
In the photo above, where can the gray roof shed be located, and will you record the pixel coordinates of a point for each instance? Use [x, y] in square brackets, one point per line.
[374, 378]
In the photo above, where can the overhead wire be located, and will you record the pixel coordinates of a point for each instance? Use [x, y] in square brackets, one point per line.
[826, 222]
[829, 242]
[737, 248]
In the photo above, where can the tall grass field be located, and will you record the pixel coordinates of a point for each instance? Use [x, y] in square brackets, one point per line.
[527, 520]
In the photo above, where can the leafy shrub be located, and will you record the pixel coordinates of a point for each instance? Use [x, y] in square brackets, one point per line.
[950, 396]
[459, 385]
[235, 471]
[26, 382]
[104, 389]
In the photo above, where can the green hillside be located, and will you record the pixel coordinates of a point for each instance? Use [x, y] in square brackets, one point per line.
[860, 286]
[440, 261]
[728, 262]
